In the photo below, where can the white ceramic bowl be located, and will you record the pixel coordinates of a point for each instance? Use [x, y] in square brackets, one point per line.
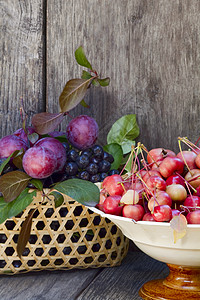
[156, 240]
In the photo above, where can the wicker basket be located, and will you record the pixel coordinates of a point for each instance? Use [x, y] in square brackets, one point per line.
[70, 236]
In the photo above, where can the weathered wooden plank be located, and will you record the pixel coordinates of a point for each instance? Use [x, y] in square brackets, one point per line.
[21, 61]
[46, 285]
[124, 282]
[150, 51]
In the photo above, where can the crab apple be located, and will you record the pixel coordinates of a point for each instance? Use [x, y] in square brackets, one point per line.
[156, 182]
[112, 185]
[11, 143]
[149, 174]
[177, 192]
[112, 206]
[175, 179]
[57, 148]
[170, 165]
[188, 157]
[193, 217]
[197, 160]
[175, 212]
[23, 135]
[162, 198]
[82, 132]
[197, 193]
[103, 196]
[39, 162]
[162, 213]
[192, 201]
[135, 211]
[157, 154]
[193, 177]
[148, 217]
[130, 197]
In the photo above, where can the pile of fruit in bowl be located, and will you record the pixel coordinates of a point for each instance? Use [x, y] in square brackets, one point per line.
[162, 187]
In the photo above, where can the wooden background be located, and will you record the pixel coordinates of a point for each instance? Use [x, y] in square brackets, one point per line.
[149, 48]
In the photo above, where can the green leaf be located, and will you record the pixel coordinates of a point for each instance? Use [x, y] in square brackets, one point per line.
[124, 129]
[12, 184]
[126, 145]
[84, 104]
[128, 166]
[17, 159]
[117, 153]
[6, 161]
[84, 192]
[58, 198]
[37, 183]
[95, 82]
[104, 81]
[86, 75]
[24, 233]
[46, 122]
[33, 137]
[73, 93]
[81, 58]
[12, 209]
[61, 138]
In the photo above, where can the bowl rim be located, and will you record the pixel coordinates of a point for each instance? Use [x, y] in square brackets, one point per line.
[120, 218]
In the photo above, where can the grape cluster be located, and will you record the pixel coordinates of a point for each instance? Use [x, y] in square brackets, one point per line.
[92, 164]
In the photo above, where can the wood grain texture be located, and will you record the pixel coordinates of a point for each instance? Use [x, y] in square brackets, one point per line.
[21, 61]
[150, 50]
[124, 282]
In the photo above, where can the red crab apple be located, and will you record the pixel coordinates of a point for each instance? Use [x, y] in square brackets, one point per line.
[156, 182]
[57, 148]
[11, 143]
[135, 211]
[157, 154]
[39, 162]
[170, 165]
[162, 198]
[188, 157]
[193, 217]
[192, 201]
[197, 160]
[112, 185]
[193, 177]
[130, 197]
[175, 179]
[175, 212]
[148, 217]
[162, 213]
[111, 205]
[149, 174]
[82, 132]
[177, 192]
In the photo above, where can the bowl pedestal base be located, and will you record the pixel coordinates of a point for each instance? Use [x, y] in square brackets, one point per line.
[182, 283]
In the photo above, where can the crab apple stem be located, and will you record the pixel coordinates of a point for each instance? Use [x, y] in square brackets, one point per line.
[187, 182]
[189, 144]
[145, 149]
[197, 141]
[179, 144]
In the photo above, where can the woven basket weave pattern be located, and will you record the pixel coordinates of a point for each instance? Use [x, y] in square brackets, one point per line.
[70, 236]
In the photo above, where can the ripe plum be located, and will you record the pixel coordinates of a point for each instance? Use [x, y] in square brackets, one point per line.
[57, 148]
[82, 132]
[39, 162]
[11, 143]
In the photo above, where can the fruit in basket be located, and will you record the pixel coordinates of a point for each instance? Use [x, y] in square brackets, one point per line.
[39, 162]
[82, 132]
[11, 143]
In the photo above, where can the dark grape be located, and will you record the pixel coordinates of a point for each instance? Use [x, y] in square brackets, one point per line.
[72, 155]
[84, 175]
[104, 166]
[97, 151]
[95, 160]
[71, 168]
[82, 161]
[108, 157]
[112, 172]
[103, 176]
[66, 146]
[95, 178]
[92, 168]
[87, 152]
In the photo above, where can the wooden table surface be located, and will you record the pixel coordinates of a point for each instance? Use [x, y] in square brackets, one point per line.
[116, 283]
